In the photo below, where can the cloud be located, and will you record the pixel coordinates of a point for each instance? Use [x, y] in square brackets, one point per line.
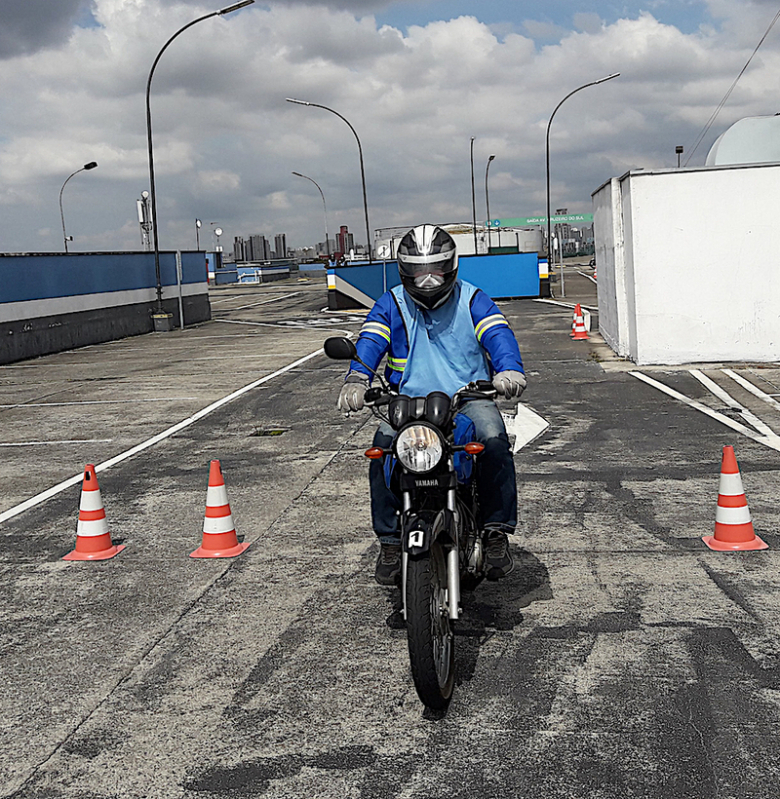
[30, 25]
[226, 142]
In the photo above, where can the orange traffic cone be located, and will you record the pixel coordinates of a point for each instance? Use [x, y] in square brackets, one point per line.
[733, 527]
[580, 333]
[93, 541]
[219, 532]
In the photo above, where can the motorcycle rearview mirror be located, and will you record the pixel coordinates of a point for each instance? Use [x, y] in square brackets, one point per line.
[340, 348]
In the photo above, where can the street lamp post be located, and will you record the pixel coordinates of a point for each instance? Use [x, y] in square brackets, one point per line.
[547, 154]
[324, 207]
[473, 198]
[197, 234]
[679, 149]
[90, 165]
[159, 307]
[362, 168]
[487, 201]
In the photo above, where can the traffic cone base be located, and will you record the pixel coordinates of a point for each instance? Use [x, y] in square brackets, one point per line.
[93, 541]
[95, 548]
[219, 532]
[225, 547]
[733, 525]
[737, 546]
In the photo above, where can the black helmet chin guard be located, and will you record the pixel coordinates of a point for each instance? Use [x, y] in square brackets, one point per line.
[428, 265]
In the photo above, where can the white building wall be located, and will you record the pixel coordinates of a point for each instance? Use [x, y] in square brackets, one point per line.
[687, 269]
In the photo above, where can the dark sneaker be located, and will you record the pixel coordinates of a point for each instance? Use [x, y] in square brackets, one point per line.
[498, 558]
[388, 564]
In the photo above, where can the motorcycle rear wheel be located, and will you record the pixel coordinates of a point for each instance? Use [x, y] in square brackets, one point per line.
[430, 636]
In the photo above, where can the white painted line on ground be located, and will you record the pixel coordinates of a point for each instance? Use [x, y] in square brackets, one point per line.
[54, 490]
[768, 398]
[772, 443]
[263, 302]
[525, 425]
[93, 402]
[727, 399]
[68, 441]
[569, 305]
[590, 277]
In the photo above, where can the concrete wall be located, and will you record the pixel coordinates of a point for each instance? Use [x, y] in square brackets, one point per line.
[687, 264]
[51, 302]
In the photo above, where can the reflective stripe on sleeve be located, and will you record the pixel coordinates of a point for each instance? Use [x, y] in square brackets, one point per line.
[488, 322]
[397, 364]
[376, 327]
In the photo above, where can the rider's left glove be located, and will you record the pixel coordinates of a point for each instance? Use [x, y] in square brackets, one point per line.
[509, 383]
[352, 392]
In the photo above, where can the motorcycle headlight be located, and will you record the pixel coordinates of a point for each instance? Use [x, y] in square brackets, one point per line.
[419, 448]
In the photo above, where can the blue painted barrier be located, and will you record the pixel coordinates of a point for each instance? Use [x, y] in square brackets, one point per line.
[51, 302]
[500, 276]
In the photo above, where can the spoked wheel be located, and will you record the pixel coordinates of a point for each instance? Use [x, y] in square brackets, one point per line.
[431, 642]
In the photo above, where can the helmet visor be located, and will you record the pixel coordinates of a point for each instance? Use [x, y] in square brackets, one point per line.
[418, 266]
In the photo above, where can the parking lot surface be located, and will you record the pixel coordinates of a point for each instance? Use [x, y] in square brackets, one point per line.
[621, 658]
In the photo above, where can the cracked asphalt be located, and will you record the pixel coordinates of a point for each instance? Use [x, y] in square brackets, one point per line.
[622, 658]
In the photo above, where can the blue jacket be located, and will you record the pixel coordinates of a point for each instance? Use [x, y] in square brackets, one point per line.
[386, 332]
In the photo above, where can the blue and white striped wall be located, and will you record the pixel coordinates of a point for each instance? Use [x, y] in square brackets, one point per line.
[51, 302]
[499, 276]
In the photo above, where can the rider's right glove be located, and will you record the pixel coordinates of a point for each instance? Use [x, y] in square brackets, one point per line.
[509, 383]
[352, 392]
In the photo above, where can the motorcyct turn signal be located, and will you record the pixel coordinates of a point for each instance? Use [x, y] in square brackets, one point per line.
[419, 448]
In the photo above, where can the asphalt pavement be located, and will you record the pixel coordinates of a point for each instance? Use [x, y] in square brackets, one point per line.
[621, 658]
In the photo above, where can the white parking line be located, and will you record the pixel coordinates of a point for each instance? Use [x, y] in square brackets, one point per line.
[772, 442]
[768, 398]
[68, 441]
[94, 402]
[262, 302]
[54, 490]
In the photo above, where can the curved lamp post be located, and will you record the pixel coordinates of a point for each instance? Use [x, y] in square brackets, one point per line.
[487, 201]
[221, 12]
[325, 209]
[362, 169]
[547, 154]
[473, 198]
[90, 165]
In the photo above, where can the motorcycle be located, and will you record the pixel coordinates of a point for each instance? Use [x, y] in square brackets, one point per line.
[430, 467]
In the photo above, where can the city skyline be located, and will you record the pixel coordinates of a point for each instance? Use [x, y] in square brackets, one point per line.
[415, 79]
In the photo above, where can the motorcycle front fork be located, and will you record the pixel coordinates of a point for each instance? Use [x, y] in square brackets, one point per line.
[453, 562]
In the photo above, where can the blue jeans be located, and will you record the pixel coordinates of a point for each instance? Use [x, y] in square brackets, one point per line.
[495, 475]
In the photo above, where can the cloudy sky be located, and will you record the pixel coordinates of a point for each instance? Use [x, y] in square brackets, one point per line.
[416, 79]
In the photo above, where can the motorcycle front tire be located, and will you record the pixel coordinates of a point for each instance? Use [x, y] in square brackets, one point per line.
[430, 636]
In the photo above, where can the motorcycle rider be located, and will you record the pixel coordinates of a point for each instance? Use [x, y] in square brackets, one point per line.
[440, 333]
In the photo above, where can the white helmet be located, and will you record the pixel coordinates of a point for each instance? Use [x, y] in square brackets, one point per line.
[428, 265]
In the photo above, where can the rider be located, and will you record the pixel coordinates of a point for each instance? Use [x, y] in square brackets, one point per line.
[440, 333]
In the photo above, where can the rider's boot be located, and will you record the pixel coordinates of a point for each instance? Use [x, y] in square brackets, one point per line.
[498, 558]
[388, 564]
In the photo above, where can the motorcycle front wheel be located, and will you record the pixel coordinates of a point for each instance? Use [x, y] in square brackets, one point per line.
[431, 641]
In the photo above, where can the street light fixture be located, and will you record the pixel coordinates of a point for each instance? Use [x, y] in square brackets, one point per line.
[362, 169]
[679, 149]
[227, 10]
[473, 198]
[547, 152]
[90, 165]
[325, 209]
[487, 201]
[197, 235]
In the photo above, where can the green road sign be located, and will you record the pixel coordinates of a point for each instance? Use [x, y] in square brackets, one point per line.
[524, 221]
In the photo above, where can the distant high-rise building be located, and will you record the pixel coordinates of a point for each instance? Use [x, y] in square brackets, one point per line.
[345, 241]
[239, 251]
[280, 245]
[260, 248]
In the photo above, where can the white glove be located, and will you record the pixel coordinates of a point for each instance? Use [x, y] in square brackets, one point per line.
[352, 392]
[509, 383]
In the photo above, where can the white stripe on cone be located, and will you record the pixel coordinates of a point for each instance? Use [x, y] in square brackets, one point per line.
[732, 515]
[730, 485]
[220, 524]
[91, 500]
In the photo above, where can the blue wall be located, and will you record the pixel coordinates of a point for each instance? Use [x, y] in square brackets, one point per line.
[49, 275]
[507, 275]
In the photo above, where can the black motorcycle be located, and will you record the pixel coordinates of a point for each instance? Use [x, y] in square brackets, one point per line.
[430, 468]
